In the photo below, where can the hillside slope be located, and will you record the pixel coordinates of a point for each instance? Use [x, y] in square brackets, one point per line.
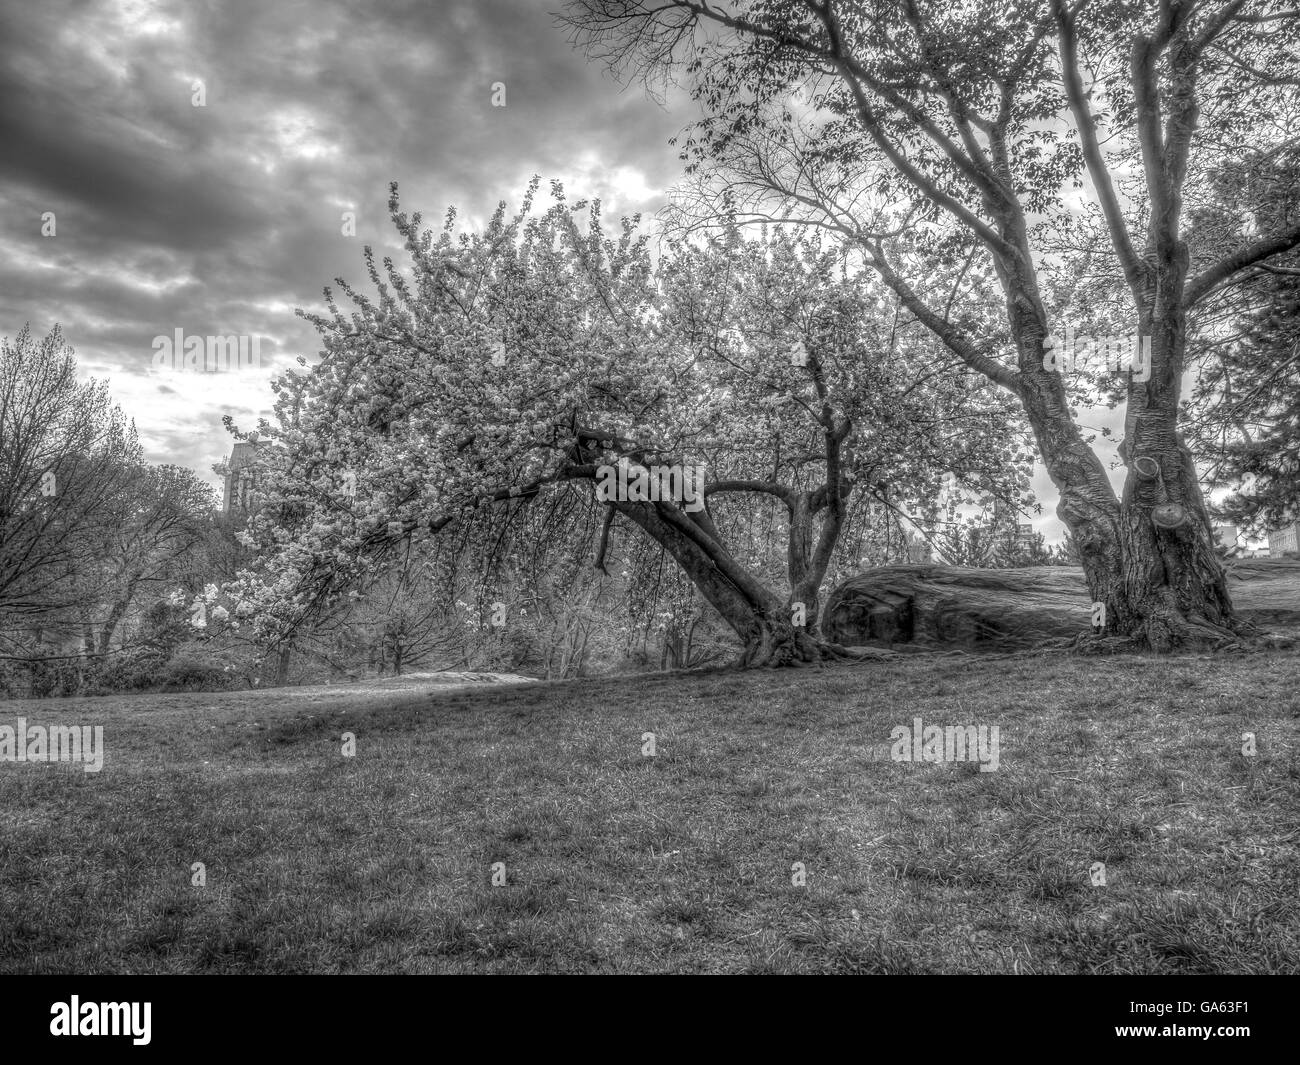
[771, 831]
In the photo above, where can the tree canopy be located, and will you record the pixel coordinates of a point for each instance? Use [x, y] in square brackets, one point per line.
[952, 146]
[541, 355]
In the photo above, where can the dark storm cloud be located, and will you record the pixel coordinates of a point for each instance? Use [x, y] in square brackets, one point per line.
[221, 218]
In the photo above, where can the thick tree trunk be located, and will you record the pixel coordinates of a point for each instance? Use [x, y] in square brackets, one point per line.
[1148, 557]
[1172, 590]
[775, 642]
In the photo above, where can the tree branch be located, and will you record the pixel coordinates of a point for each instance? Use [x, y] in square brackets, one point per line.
[1097, 169]
[1208, 279]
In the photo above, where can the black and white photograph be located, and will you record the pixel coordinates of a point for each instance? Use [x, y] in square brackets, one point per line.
[650, 487]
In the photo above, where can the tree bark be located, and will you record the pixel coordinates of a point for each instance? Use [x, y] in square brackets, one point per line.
[1161, 583]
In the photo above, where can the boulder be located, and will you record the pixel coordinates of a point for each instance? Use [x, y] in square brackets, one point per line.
[1266, 590]
[958, 606]
[1011, 609]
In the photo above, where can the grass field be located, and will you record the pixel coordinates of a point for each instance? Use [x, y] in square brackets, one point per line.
[680, 862]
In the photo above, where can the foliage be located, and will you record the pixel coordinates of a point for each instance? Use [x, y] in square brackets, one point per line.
[932, 141]
[195, 671]
[1246, 403]
[471, 381]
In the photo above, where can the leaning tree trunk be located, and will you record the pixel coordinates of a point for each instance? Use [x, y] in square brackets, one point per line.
[759, 618]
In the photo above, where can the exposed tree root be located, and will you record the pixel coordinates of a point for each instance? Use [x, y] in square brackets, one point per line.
[783, 646]
[1185, 638]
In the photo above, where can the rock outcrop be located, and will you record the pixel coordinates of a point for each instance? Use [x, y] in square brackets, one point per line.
[1012, 609]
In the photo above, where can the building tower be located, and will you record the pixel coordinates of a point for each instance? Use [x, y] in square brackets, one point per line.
[241, 473]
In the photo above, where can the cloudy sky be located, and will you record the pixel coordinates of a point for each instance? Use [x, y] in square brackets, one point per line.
[221, 219]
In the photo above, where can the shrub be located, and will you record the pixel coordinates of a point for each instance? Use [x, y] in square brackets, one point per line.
[195, 672]
[135, 670]
[53, 677]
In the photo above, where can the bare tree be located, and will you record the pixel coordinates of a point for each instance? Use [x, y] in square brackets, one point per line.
[65, 455]
[151, 527]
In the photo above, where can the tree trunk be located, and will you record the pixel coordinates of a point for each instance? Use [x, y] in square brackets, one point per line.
[110, 625]
[1171, 591]
[759, 618]
[689, 642]
[1148, 557]
[775, 642]
[805, 580]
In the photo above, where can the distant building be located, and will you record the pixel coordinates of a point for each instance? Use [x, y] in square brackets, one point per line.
[241, 472]
[1284, 539]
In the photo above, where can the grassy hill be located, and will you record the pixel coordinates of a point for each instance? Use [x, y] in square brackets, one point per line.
[681, 862]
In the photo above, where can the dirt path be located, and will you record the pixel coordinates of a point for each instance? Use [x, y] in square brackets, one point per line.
[316, 693]
[406, 682]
